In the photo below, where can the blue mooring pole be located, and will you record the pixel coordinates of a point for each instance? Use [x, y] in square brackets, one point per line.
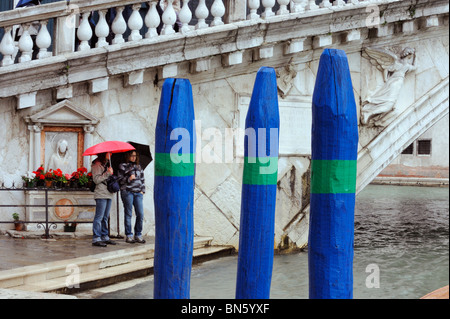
[259, 188]
[333, 180]
[174, 191]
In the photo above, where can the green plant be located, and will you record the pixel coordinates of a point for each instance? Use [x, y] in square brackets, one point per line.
[16, 216]
[29, 177]
[412, 11]
[82, 176]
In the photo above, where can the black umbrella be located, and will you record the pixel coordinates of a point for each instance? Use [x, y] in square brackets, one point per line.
[145, 156]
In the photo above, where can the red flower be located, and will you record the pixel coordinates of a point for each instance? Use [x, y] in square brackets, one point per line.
[42, 177]
[75, 175]
[82, 170]
[58, 173]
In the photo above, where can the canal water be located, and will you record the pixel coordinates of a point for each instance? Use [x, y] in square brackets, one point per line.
[401, 252]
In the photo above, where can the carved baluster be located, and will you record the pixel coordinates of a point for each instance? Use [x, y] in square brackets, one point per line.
[268, 5]
[119, 26]
[84, 33]
[338, 3]
[185, 16]
[7, 48]
[152, 21]
[169, 18]
[283, 7]
[311, 5]
[201, 13]
[299, 6]
[218, 10]
[25, 44]
[43, 41]
[253, 6]
[135, 23]
[101, 30]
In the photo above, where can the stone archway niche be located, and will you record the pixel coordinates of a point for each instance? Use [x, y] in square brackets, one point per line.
[61, 124]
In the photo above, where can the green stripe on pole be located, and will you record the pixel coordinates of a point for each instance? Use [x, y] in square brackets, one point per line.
[333, 176]
[260, 170]
[175, 165]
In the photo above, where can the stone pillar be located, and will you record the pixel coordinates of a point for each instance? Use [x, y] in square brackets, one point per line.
[65, 34]
[35, 146]
[88, 142]
[235, 11]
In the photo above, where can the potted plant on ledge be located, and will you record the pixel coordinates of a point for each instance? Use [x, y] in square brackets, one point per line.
[60, 178]
[29, 180]
[18, 224]
[49, 179]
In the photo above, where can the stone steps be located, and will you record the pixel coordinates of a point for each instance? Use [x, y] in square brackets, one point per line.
[96, 270]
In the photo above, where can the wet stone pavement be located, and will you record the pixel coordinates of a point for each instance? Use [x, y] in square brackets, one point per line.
[21, 252]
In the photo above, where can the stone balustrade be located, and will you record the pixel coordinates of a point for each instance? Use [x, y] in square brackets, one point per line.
[83, 25]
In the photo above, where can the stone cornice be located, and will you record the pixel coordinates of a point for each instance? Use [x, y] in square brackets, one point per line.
[57, 9]
[219, 41]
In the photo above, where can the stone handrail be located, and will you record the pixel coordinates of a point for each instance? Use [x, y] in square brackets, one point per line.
[75, 30]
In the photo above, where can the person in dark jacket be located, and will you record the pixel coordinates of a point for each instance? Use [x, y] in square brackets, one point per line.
[132, 190]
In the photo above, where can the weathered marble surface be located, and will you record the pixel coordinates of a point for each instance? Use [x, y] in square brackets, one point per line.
[126, 104]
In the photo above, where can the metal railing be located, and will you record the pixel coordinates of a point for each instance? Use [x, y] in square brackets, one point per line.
[46, 224]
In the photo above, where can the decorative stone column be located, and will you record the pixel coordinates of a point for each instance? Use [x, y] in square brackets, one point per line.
[35, 149]
[88, 142]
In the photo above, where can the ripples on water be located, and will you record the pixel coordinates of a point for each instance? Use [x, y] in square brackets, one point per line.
[403, 230]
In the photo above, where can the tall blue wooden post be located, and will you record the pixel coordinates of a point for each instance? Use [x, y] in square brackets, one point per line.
[333, 179]
[256, 237]
[174, 191]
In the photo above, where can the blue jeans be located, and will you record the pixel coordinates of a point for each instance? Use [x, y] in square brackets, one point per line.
[100, 224]
[129, 200]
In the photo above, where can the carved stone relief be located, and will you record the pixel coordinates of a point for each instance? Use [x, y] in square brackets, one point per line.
[395, 63]
[59, 134]
[285, 78]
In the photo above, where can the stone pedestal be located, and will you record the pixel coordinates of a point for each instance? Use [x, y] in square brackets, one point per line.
[74, 212]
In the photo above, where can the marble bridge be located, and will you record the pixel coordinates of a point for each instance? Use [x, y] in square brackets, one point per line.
[82, 67]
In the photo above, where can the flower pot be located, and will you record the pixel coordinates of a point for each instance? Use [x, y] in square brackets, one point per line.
[49, 184]
[69, 228]
[19, 226]
[60, 184]
[31, 184]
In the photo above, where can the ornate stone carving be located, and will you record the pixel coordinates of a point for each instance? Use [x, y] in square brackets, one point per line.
[395, 63]
[285, 78]
[58, 135]
[61, 157]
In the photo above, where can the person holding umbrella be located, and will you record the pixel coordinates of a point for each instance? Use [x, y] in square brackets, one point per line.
[101, 171]
[132, 181]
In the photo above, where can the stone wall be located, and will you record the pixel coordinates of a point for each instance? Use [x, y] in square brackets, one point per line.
[221, 94]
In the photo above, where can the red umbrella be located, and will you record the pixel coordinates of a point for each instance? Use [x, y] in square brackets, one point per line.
[109, 147]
